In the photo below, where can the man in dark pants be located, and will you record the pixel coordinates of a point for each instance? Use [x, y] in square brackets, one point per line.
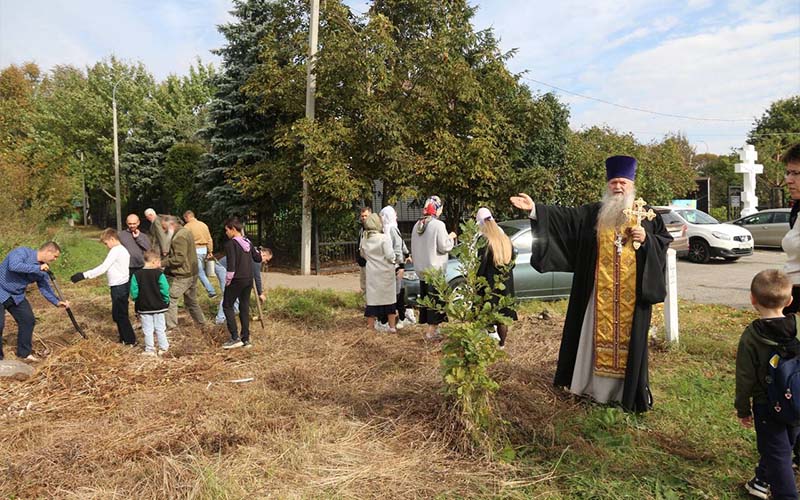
[21, 267]
[362, 262]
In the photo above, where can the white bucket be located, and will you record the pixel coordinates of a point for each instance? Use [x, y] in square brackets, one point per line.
[210, 268]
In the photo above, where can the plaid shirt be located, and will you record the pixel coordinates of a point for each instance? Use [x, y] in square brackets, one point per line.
[19, 269]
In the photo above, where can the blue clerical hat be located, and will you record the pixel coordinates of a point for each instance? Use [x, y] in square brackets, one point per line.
[621, 166]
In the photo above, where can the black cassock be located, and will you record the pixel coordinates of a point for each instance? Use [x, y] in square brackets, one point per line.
[565, 239]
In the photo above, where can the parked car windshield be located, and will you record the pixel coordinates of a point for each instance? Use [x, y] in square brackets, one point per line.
[509, 230]
[669, 217]
[696, 217]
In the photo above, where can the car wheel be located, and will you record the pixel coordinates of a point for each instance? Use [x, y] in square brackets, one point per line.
[731, 259]
[698, 251]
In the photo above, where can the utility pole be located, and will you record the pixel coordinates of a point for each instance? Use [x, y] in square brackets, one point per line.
[85, 196]
[117, 198]
[311, 87]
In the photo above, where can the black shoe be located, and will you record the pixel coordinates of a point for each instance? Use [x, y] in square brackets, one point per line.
[232, 344]
[246, 344]
[757, 488]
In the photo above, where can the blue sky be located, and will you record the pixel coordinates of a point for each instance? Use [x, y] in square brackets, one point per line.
[699, 58]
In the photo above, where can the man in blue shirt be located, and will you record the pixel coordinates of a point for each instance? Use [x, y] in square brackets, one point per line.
[21, 267]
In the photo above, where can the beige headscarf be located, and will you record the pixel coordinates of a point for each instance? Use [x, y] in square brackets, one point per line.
[373, 225]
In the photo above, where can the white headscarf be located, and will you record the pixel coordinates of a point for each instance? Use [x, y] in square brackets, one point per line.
[389, 218]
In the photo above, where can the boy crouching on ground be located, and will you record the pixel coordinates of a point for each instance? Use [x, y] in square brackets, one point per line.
[150, 292]
[765, 343]
[116, 267]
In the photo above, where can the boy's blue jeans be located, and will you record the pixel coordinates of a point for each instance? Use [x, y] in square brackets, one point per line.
[154, 322]
[201, 264]
[775, 442]
[220, 271]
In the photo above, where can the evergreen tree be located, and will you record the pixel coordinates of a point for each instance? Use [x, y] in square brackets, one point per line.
[236, 131]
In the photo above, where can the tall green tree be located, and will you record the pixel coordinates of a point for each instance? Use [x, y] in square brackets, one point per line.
[174, 112]
[772, 135]
[237, 132]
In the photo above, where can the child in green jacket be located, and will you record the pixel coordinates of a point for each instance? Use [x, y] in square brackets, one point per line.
[150, 291]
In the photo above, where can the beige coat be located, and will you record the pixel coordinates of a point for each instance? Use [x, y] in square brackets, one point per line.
[378, 251]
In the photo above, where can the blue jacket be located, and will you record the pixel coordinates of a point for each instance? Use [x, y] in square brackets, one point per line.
[18, 270]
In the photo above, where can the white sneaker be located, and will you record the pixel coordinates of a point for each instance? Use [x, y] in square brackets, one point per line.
[411, 318]
[493, 333]
[381, 327]
[400, 325]
[436, 335]
[149, 353]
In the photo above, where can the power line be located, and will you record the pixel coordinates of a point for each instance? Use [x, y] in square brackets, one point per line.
[702, 134]
[641, 110]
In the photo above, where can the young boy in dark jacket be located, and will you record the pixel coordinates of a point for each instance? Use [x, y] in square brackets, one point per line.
[770, 292]
[240, 254]
[150, 292]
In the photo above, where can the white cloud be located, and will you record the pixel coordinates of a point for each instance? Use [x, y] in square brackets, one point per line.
[699, 57]
[699, 4]
[732, 73]
[166, 36]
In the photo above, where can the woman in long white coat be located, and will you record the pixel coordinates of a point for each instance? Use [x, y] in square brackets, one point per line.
[376, 247]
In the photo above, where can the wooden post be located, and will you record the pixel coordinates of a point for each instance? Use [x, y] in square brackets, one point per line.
[671, 302]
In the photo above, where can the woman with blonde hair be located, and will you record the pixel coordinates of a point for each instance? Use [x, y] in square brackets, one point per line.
[497, 259]
[376, 248]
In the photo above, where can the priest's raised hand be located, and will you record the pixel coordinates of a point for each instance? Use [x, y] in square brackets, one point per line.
[523, 202]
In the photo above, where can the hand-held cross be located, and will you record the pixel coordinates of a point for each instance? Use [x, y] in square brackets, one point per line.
[640, 214]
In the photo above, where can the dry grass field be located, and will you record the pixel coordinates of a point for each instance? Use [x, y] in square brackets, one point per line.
[335, 411]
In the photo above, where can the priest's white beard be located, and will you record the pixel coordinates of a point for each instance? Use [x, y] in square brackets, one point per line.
[611, 214]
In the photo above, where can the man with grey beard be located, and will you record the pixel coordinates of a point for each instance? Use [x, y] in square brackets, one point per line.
[181, 268]
[618, 274]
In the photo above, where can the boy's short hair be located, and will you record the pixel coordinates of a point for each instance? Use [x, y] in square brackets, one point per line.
[151, 255]
[792, 155]
[234, 223]
[365, 209]
[771, 288]
[266, 250]
[109, 234]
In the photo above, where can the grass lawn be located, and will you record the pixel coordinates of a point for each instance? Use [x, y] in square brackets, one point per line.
[335, 411]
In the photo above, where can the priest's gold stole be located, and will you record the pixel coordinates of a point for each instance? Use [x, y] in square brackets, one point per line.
[615, 300]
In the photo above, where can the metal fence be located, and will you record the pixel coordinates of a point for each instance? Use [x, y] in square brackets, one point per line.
[329, 252]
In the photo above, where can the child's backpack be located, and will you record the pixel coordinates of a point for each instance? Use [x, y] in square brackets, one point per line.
[783, 384]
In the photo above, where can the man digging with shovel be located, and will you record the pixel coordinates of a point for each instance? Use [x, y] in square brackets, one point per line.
[21, 267]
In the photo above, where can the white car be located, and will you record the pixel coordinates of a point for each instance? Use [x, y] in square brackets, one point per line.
[709, 238]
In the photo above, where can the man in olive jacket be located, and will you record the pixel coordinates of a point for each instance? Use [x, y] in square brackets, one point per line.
[180, 266]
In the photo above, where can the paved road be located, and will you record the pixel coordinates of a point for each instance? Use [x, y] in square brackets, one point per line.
[720, 282]
[717, 282]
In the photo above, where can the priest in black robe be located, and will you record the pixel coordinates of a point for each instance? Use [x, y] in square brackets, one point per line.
[618, 266]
